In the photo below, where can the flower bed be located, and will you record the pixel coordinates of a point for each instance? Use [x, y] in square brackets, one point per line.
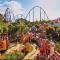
[13, 56]
[57, 47]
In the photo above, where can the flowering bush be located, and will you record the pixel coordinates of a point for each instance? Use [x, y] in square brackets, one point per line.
[57, 47]
[14, 56]
[44, 47]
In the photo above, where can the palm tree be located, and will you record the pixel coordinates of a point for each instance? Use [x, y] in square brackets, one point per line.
[1, 18]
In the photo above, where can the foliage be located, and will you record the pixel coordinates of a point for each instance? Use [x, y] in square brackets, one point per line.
[35, 41]
[13, 56]
[57, 47]
[5, 30]
[59, 31]
[1, 17]
[13, 29]
[49, 31]
[22, 23]
[43, 21]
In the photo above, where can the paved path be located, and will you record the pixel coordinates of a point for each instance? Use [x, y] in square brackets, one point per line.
[18, 47]
[32, 55]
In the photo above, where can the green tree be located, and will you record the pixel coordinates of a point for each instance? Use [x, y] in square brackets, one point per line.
[1, 18]
[12, 30]
[22, 24]
[1, 23]
[5, 30]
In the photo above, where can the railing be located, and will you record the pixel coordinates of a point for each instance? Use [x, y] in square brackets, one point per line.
[57, 53]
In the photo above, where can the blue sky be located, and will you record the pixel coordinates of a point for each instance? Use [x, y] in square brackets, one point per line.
[52, 7]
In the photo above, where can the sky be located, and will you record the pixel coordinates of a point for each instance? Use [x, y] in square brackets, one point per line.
[52, 7]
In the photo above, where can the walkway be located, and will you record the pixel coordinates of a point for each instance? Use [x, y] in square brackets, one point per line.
[33, 54]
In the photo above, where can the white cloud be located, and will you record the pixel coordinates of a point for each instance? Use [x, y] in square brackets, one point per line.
[50, 6]
[14, 6]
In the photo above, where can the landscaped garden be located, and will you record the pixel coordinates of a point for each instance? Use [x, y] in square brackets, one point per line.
[23, 39]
